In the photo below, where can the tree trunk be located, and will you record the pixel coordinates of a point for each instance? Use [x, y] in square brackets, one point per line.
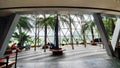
[38, 35]
[20, 37]
[71, 32]
[35, 36]
[83, 30]
[56, 34]
[83, 33]
[84, 39]
[45, 37]
[20, 31]
[92, 32]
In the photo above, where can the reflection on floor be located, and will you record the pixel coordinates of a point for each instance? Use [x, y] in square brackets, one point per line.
[80, 57]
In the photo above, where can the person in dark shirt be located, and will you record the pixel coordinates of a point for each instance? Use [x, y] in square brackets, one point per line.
[52, 46]
[27, 47]
[20, 46]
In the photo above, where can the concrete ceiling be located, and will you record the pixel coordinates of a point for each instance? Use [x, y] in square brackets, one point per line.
[66, 6]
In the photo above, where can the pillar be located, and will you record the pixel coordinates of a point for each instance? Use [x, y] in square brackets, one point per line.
[7, 26]
[103, 34]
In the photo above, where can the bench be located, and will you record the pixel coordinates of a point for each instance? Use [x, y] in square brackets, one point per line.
[4, 61]
[10, 63]
[57, 51]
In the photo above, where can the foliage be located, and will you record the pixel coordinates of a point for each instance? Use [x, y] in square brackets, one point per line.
[65, 19]
[66, 40]
[24, 24]
[49, 21]
[24, 37]
[84, 27]
[109, 24]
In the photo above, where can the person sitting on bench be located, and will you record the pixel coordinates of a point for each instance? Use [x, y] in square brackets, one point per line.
[52, 46]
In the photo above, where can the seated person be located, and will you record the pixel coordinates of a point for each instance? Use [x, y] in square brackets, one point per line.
[46, 46]
[20, 46]
[27, 47]
[52, 46]
[95, 41]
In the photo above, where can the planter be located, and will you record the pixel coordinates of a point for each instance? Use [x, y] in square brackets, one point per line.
[57, 52]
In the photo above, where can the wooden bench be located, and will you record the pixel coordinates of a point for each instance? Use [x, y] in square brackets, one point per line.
[4, 61]
[10, 63]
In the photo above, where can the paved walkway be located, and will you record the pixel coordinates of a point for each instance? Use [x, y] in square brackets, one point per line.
[80, 57]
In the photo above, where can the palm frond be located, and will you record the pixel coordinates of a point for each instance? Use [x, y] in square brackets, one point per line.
[24, 23]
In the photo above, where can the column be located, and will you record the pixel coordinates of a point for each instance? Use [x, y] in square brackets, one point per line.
[7, 26]
[103, 34]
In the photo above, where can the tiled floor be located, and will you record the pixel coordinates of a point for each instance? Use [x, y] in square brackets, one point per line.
[80, 57]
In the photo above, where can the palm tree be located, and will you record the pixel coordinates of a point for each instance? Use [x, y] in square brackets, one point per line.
[44, 23]
[68, 21]
[23, 26]
[84, 26]
[90, 26]
[36, 20]
[24, 37]
[92, 31]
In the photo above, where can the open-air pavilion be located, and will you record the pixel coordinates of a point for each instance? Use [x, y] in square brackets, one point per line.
[69, 18]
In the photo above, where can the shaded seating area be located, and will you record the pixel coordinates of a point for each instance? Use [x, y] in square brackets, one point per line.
[55, 51]
[61, 22]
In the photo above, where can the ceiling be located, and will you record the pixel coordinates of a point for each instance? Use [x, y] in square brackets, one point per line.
[59, 6]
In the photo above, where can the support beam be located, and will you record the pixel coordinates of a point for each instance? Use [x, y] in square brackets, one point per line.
[7, 26]
[116, 34]
[103, 34]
